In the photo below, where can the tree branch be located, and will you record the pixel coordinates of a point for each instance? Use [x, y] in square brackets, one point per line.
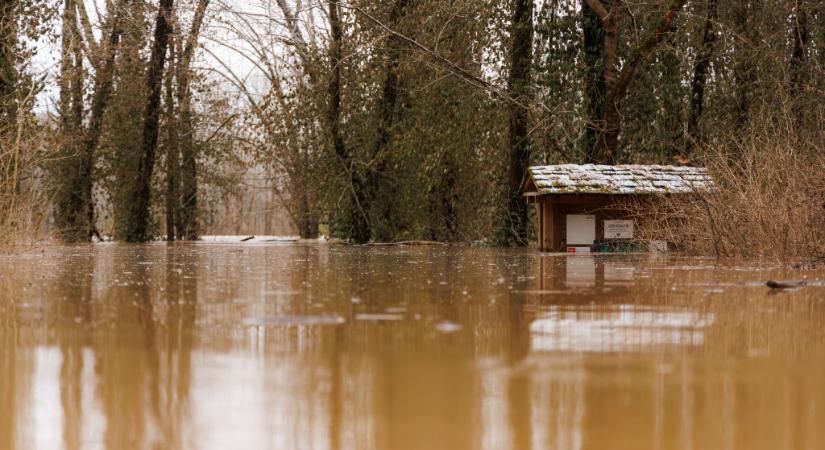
[444, 62]
[94, 47]
[651, 41]
[599, 9]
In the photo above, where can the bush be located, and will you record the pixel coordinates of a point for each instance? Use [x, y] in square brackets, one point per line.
[768, 201]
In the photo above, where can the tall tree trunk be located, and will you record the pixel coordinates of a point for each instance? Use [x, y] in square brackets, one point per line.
[8, 62]
[70, 214]
[75, 204]
[744, 70]
[188, 216]
[618, 81]
[172, 154]
[608, 141]
[700, 76]
[594, 78]
[376, 182]
[798, 66]
[358, 226]
[514, 229]
[140, 191]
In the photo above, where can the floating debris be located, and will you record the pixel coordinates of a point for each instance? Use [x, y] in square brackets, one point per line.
[792, 284]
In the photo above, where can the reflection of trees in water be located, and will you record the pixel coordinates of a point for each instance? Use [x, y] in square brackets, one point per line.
[13, 368]
[393, 385]
[144, 360]
[73, 285]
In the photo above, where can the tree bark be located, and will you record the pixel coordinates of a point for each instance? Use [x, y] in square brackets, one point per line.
[594, 46]
[8, 62]
[172, 155]
[78, 209]
[69, 213]
[140, 193]
[187, 226]
[700, 75]
[381, 149]
[744, 70]
[358, 227]
[797, 66]
[617, 82]
[514, 229]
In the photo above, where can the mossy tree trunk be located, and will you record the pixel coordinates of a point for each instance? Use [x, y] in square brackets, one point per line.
[70, 211]
[514, 227]
[357, 221]
[700, 75]
[618, 81]
[136, 226]
[378, 201]
[172, 154]
[594, 78]
[187, 220]
[8, 62]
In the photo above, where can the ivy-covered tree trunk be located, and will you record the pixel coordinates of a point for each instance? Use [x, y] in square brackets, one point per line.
[744, 69]
[74, 208]
[187, 226]
[357, 221]
[798, 64]
[594, 78]
[140, 191]
[379, 199]
[70, 214]
[700, 76]
[172, 154]
[8, 61]
[617, 81]
[514, 226]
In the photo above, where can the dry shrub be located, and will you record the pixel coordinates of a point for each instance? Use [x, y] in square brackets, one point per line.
[23, 203]
[768, 201]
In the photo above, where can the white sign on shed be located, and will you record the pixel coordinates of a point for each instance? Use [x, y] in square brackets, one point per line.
[618, 229]
[581, 229]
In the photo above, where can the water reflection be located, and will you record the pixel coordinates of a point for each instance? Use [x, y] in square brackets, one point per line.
[288, 346]
[623, 328]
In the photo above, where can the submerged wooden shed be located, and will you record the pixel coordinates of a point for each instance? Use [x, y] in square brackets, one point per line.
[581, 205]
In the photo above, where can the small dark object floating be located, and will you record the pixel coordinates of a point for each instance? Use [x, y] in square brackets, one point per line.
[785, 284]
[247, 238]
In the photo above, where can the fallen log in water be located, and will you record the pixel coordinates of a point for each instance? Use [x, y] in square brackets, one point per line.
[389, 244]
[785, 284]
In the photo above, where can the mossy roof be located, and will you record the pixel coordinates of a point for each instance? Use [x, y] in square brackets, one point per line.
[627, 179]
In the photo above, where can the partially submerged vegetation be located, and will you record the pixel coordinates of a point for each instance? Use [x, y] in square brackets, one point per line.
[768, 202]
[405, 120]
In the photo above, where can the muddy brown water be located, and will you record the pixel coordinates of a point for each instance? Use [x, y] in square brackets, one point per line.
[297, 346]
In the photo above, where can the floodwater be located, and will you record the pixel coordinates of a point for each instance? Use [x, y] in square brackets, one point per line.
[314, 346]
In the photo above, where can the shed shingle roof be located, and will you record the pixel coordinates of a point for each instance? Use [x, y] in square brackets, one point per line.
[619, 179]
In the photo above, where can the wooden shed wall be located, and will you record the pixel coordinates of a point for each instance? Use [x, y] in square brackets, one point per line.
[553, 211]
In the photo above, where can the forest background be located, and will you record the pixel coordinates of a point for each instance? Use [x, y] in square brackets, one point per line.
[404, 119]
